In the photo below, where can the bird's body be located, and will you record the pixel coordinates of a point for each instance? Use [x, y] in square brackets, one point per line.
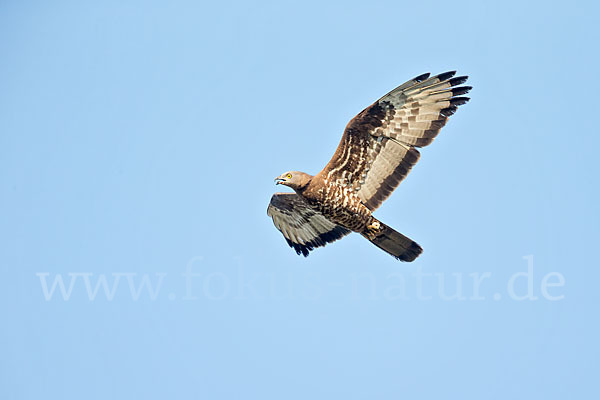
[340, 204]
[376, 152]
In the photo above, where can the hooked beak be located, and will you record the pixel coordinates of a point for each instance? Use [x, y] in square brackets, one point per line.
[279, 180]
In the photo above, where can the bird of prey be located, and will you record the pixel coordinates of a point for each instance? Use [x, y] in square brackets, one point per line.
[377, 151]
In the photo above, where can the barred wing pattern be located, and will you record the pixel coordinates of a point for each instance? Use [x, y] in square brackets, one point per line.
[304, 229]
[378, 148]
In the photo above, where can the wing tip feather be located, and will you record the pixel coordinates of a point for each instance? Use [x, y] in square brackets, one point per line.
[458, 80]
[421, 77]
[446, 75]
[461, 90]
[459, 101]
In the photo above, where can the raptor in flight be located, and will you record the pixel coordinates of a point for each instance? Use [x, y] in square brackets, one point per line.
[377, 151]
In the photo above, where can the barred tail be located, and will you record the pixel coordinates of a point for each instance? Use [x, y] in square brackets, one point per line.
[394, 243]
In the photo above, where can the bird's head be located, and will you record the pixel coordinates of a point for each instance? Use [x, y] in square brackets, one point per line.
[295, 179]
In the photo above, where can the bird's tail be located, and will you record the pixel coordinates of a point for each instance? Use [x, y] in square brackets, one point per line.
[392, 242]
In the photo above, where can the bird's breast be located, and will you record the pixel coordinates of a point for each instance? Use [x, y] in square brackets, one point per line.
[339, 204]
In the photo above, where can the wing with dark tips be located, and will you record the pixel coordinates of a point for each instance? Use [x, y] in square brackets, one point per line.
[304, 229]
[379, 146]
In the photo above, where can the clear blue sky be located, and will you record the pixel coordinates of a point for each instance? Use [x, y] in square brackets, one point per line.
[139, 142]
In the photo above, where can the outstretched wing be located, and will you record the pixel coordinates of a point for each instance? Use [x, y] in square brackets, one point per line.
[303, 228]
[378, 148]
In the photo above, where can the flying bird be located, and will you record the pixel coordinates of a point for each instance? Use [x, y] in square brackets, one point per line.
[377, 151]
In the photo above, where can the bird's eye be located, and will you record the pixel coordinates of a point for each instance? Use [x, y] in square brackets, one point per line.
[289, 176]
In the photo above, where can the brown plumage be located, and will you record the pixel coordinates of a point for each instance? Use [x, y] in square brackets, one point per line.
[377, 151]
